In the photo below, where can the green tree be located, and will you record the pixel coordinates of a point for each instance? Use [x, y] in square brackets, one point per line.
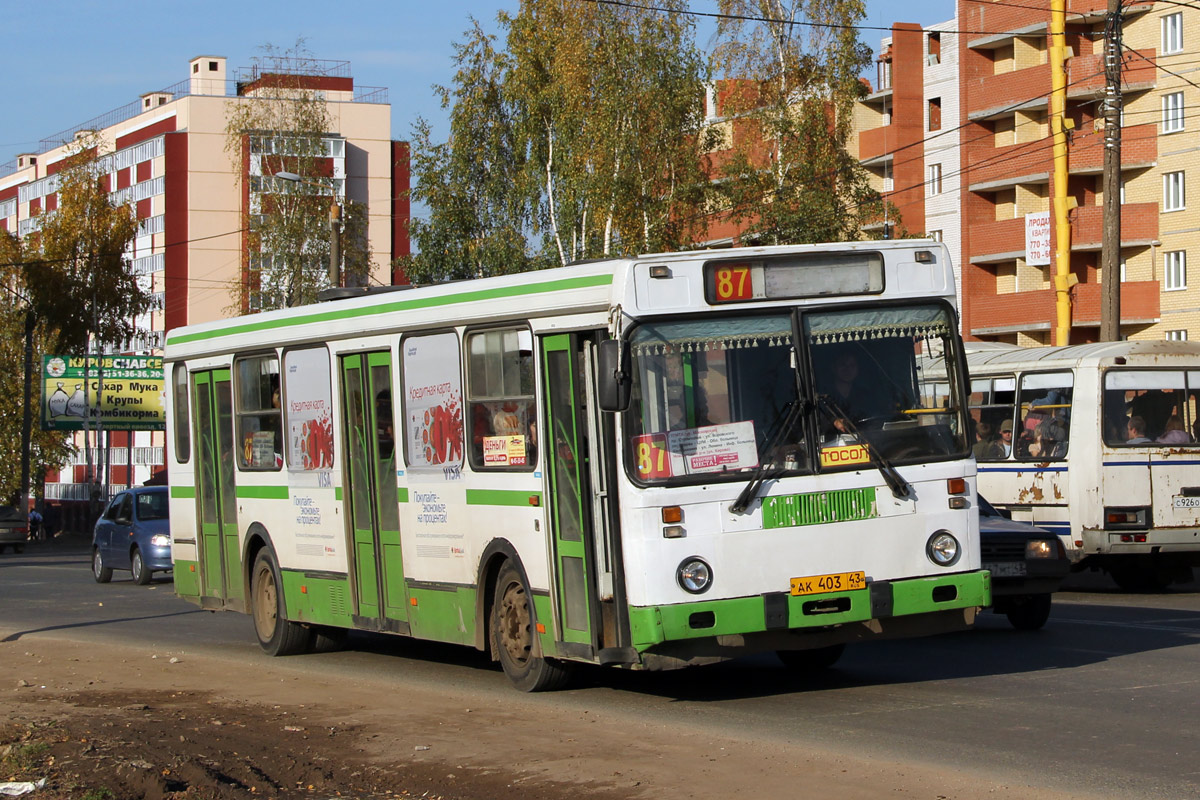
[578, 140]
[71, 282]
[794, 67]
[283, 125]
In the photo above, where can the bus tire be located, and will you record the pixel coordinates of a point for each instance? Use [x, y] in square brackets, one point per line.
[101, 573]
[513, 638]
[277, 635]
[1029, 613]
[329, 639]
[817, 659]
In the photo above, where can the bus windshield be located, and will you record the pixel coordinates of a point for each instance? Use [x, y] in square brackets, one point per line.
[711, 396]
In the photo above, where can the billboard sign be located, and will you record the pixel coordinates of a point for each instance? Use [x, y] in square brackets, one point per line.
[1037, 239]
[123, 393]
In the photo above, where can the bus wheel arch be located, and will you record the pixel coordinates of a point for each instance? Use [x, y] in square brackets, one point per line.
[257, 538]
[495, 555]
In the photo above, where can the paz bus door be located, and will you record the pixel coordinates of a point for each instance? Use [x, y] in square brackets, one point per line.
[370, 494]
[578, 504]
[216, 489]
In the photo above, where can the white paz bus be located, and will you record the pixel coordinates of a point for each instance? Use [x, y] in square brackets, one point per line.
[648, 463]
[1099, 443]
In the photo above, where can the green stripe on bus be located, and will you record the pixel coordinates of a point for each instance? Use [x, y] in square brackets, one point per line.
[263, 492]
[337, 493]
[400, 305]
[818, 508]
[183, 492]
[401, 494]
[501, 497]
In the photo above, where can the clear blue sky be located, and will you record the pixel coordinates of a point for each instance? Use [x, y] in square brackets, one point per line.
[71, 61]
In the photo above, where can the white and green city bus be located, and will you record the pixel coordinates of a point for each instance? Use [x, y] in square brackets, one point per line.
[649, 463]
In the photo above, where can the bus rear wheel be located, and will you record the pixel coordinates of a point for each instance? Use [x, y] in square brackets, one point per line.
[514, 641]
[277, 635]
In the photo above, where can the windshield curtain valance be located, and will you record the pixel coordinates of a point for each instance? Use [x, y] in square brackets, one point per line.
[922, 322]
[696, 336]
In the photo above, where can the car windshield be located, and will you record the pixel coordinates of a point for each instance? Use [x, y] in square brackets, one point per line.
[152, 506]
[711, 396]
[1151, 408]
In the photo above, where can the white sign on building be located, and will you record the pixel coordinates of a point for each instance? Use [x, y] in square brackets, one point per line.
[1037, 239]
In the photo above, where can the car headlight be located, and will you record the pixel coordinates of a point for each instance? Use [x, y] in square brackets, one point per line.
[694, 575]
[1041, 548]
[160, 540]
[942, 548]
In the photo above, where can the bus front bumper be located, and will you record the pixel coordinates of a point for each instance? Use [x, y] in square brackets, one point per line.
[709, 631]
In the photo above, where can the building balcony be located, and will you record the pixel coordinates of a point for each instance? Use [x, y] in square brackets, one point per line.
[997, 95]
[1139, 226]
[1013, 20]
[878, 144]
[1035, 311]
[1004, 240]
[992, 168]
[1139, 149]
[1085, 74]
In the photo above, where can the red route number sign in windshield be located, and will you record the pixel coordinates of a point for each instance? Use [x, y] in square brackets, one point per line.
[731, 284]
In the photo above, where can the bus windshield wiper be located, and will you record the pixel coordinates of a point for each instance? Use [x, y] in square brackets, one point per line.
[790, 414]
[892, 477]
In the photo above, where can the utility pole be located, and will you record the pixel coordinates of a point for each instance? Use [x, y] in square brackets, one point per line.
[1061, 200]
[1110, 254]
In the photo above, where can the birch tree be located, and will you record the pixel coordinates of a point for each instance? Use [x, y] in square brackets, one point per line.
[794, 67]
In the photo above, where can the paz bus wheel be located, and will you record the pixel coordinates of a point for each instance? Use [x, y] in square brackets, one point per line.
[514, 640]
[277, 635]
[101, 573]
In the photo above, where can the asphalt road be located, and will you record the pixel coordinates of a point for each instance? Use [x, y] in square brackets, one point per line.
[1102, 701]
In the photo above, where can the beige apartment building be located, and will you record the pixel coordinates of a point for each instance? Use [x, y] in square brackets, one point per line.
[166, 152]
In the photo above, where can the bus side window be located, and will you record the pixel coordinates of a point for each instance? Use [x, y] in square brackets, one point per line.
[991, 406]
[179, 407]
[500, 399]
[1045, 405]
[259, 430]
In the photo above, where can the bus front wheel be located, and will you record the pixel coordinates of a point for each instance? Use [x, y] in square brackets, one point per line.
[277, 635]
[514, 641]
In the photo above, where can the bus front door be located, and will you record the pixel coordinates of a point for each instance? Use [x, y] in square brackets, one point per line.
[570, 512]
[220, 552]
[370, 494]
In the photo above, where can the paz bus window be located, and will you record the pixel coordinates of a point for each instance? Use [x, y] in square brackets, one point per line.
[1150, 408]
[1044, 428]
[500, 399]
[259, 428]
[991, 404]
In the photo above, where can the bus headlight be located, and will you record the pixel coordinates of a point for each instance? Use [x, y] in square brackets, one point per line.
[694, 575]
[942, 548]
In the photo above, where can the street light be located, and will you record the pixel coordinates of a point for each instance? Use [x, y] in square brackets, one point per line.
[335, 219]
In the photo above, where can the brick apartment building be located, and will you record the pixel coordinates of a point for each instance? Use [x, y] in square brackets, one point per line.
[166, 152]
[956, 135]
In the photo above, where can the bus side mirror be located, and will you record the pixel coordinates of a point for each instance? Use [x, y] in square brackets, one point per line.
[613, 382]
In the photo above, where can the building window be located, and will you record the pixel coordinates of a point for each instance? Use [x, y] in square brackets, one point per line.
[1177, 335]
[212, 66]
[1172, 112]
[1124, 269]
[888, 183]
[1175, 270]
[935, 48]
[935, 113]
[1174, 192]
[1122, 192]
[1172, 32]
[935, 180]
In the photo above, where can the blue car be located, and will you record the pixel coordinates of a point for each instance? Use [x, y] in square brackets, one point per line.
[133, 533]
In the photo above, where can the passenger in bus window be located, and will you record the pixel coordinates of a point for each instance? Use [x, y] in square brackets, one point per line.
[1174, 433]
[1049, 440]
[1006, 437]
[988, 447]
[1137, 431]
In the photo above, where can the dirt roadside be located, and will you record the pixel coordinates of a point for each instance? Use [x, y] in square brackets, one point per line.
[106, 723]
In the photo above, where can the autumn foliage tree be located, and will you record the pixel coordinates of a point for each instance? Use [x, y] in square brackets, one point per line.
[577, 139]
